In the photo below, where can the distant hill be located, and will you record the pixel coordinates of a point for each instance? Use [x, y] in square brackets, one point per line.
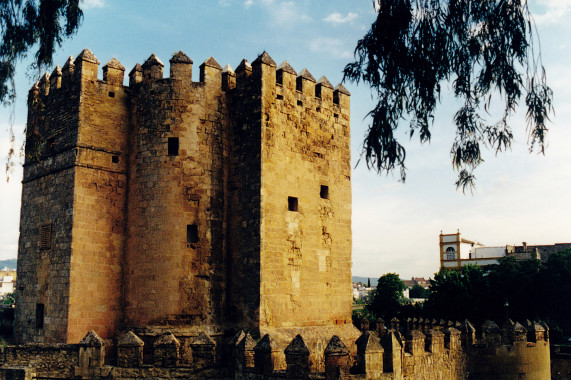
[364, 280]
[11, 263]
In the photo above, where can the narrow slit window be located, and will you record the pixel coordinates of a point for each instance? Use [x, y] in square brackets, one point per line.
[324, 192]
[292, 204]
[336, 98]
[39, 316]
[173, 146]
[45, 236]
[192, 234]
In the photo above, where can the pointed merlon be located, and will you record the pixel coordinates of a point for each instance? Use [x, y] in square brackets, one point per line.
[490, 327]
[86, 55]
[114, 64]
[518, 328]
[342, 89]
[211, 62]
[91, 339]
[324, 82]
[69, 63]
[285, 66]
[45, 78]
[130, 340]
[180, 57]
[264, 345]
[265, 59]
[56, 72]
[137, 68]
[153, 61]
[244, 66]
[204, 340]
[228, 69]
[305, 74]
[336, 347]
[297, 347]
[167, 339]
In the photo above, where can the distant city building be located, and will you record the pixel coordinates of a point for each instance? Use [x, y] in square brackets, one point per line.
[7, 281]
[479, 254]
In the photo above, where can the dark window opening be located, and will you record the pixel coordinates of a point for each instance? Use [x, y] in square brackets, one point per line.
[114, 159]
[192, 234]
[318, 91]
[336, 98]
[279, 97]
[111, 94]
[39, 316]
[292, 203]
[324, 192]
[173, 146]
[298, 84]
[280, 77]
[336, 115]
[318, 109]
[45, 236]
[299, 103]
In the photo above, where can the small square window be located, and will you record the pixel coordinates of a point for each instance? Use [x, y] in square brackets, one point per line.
[300, 103]
[292, 204]
[111, 94]
[324, 192]
[115, 159]
[192, 234]
[173, 146]
[39, 316]
[279, 97]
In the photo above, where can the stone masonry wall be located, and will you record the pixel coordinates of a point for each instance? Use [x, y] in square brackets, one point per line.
[175, 273]
[47, 207]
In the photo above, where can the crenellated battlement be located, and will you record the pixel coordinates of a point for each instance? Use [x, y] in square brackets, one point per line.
[300, 89]
[427, 351]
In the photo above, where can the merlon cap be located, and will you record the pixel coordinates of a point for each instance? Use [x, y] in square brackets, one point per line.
[342, 89]
[244, 66]
[324, 82]
[152, 61]
[87, 55]
[137, 68]
[211, 62]
[285, 66]
[305, 74]
[114, 64]
[180, 57]
[228, 69]
[265, 59]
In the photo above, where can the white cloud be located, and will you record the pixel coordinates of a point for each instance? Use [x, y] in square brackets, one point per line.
[552, 11]
[283, 13]
[334, 47]
[338, 18]
[90, 4]
[248, 3]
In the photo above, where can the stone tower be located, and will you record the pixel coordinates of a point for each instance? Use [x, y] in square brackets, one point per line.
[188, 206]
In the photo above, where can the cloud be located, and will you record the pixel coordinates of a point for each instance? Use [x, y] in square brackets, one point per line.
[334, 47]
[248, 3]
[90, 4]
[281, 13]
[554, 11]
[338, 18]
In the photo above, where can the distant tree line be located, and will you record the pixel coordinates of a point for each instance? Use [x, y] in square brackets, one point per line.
[518, 290]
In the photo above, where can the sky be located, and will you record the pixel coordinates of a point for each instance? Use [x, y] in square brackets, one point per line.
[518, 197]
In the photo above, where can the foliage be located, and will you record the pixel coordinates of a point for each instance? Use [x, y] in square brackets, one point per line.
[418, 291]
[483, 47]
[8, 299]
[37, 26]
[385, 301]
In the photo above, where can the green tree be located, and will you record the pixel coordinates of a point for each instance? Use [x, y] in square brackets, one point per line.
[418, 291]
[385, 301]
[483, 47]
[31, 26]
